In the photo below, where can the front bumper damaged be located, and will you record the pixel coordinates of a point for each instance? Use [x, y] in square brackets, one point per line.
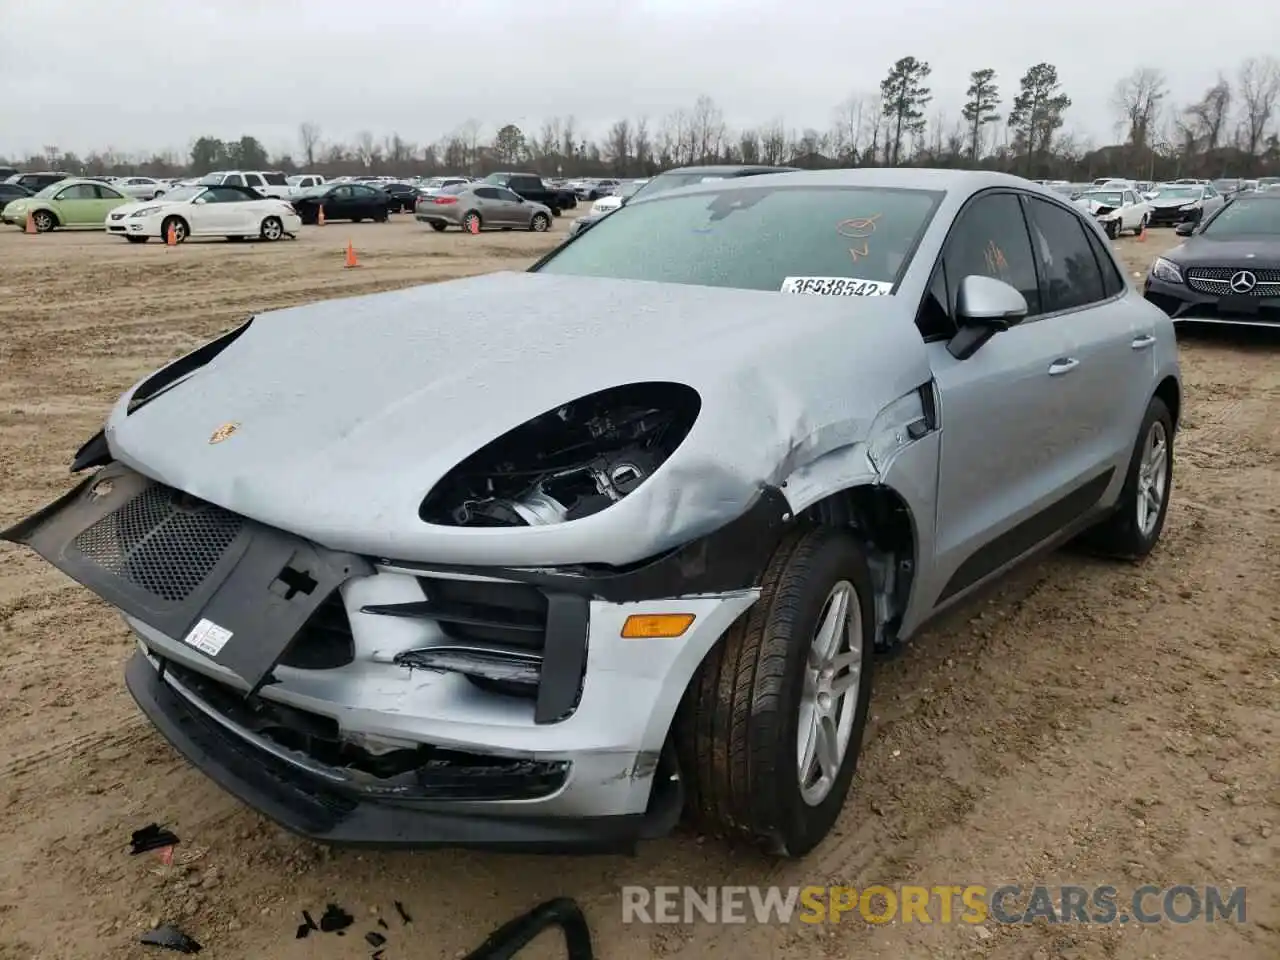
[353, 699]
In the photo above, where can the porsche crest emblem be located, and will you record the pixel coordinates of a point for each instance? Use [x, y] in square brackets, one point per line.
[223, 432]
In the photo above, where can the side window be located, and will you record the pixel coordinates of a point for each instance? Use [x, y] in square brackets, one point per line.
[341, 193]
[990, 239]
[234, 179]
[79, 191]
[252, 180]
[1129, 198]
[507, 195]
[1113, 281]
[106, 193]
[487, 193]
[522, 183]
[934, 319]
[1069, 275]
[224, 194]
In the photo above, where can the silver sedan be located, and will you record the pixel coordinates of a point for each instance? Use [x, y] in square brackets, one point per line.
[481, 206]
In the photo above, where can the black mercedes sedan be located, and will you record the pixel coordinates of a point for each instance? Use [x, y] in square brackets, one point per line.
[1227, 270]
[343, 201]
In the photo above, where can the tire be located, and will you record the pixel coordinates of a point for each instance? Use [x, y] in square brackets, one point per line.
[1143, 224]
[44, 221]
[737, 730]
[272, 229]
[556, 211]
[137, 239]
[540, 223]
[1125, 534]
[1113, 229]
[356, 219]
[383, 217]
[467, 219]
[180, 229]
[439, 227]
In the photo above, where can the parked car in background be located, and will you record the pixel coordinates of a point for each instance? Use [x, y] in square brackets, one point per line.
[434, 185]
[1173, 203]
[620, 194]
[1227, 270]
[1267, 183]
[1228, 186]
[386, 597]
[531, 187]
[482, 206]
[35, 182]
[679, 177]
[1117, 210]
[343, 201]
[269, 183]
[303, 181]
[205, 211]
[139, 188]
[404, 196]
[7, 172]
[12, 191]
[67, 204]
[594, 188]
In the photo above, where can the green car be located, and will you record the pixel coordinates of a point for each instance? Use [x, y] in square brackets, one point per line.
[67, 203]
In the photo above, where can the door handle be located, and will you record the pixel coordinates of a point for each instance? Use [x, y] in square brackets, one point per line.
[1063, 365]
[1142, 342]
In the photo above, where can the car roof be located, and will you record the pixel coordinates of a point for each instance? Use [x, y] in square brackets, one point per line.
[904, 178]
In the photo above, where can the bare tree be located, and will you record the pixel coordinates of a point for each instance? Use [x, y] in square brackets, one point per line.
[1259, 88]
[706, 130]
[846, 131]
[366, 148]
[618, 146]
[1208, 118]
[549, 137]
[568, 135]
[1136, 100]
[309, 134]
[641, 145]
[773, 143]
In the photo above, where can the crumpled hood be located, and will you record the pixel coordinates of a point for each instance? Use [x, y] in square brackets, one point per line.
[350, 410]
[1094, 207]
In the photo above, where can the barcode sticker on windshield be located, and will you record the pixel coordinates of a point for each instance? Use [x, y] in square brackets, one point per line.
[837, 286]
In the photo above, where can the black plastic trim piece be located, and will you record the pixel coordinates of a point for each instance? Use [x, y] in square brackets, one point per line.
[730, 558]
[165, 377]
[94, 452]
[564, 657]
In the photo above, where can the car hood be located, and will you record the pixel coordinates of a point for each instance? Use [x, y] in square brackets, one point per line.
[1260, 253]
[1166, 202]
[1094, 207]
[132, 206]
[349, 411]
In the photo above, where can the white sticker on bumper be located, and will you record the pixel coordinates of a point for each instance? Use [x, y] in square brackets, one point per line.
[207, 637]
[837, 286]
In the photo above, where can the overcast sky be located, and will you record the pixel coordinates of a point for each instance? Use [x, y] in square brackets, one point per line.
[153, 74]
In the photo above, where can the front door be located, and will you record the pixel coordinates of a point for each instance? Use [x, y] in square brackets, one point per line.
[1005, 411]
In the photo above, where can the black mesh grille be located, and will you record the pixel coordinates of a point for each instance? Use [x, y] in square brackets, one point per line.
[161, 542]
[1218, 280]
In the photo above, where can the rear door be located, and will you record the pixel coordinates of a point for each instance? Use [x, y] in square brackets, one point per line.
[1005, 411]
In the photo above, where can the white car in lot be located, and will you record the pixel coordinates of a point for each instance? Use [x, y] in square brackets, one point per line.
[140, 188]
[205, 211]
[614, 200]
[1116, 209]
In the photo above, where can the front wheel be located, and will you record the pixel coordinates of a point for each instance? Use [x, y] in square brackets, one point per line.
[540, 223]
[1113, 229]
[769, 732]
[272, 229]
[137, 239]
[1134, 528]
[44, 221]
[177, 225]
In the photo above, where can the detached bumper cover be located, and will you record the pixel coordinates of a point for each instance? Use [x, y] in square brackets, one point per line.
[310, 808]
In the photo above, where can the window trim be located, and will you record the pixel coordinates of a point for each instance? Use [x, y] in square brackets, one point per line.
[1088, 225]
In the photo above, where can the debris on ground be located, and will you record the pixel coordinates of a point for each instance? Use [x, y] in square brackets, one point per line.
[152, 837]
[307, 925]
[170, 937]
[335, 919]
[404, 916]
[516, 934]
[374, 939]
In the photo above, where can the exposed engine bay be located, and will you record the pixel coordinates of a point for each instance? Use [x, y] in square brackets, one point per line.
[567, 463]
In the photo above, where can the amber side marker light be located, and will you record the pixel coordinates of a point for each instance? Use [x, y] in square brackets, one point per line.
[656, 626]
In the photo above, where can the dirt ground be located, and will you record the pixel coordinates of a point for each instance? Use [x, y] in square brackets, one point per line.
[1086, 723]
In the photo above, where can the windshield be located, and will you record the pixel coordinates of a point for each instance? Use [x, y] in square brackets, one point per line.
[628, 190]
[761, 238]
[454, 189]
[50, 190]
[499, 178]
[181, 193]
[275, 179]
[1110, 198]
[1178, 193]
[1227, 185]
[1246, 218]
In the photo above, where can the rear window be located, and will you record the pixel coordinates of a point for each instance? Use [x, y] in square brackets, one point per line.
[275, 179]
[455, 188]
[805, 239]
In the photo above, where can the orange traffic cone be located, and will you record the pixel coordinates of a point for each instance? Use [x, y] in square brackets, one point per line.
[171, 236]
[320, 217]
[474, 225]
[351, 256]
[1142, 232]
[31, 224]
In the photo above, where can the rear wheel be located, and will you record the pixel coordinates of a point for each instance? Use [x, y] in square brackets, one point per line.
[272, 229]
[439, 227]
[471, 222]
[770, 729]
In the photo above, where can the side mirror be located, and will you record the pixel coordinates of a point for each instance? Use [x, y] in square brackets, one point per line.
[985, 306]
[1184, 229]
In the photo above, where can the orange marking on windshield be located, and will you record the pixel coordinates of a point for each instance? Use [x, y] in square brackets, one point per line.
[858, 228]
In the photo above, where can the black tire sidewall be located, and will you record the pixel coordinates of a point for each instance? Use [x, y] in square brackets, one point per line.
[837, 556]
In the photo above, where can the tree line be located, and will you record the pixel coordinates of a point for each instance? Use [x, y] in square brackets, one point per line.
[1231, 130]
